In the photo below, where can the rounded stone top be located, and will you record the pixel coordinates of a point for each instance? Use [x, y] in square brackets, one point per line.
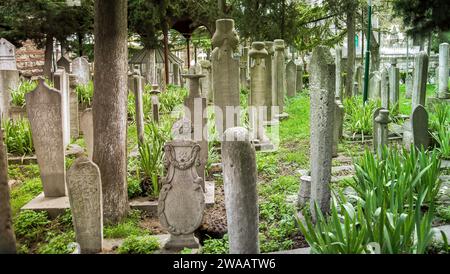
[236, 134]
[225, 34]
[155, 89]
[383, 117]
[393, 61]
[278, 44]
[205, 63]
[224, 25]
[269, 47]
[258, 50]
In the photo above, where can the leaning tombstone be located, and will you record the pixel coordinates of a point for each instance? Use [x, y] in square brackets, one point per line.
[44, 109]
[420, 79]
[80, 67]
[419, 125]
[225, 76]
[7, 238]
[380, 130]
[181, 201]
[87, 127]
[291, 78]
[443, 91]
[385, 89]
[241, 197]
[85, 196]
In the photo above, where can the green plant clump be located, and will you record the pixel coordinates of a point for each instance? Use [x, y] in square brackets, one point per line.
[85, 93]
[58, 243]
[18, 138]
[29, 224]
[139, 245]
[18, 94]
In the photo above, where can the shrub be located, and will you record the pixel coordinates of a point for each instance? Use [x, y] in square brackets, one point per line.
[58, 243]
[171, 97]
[216, 246]
[128, 227]
[134, 188]
[359, 117]
[18, 138]
[18, 94]
[139, 245]
[85, 93]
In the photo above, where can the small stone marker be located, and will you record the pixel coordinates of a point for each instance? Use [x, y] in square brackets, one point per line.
[419, 124]
[7, 238]
[299, 82]
[394, 84]
[409, 86]
[443, 91]
[155, 103]
[338, 73]
[44, 109]
[225, 76]
[176, 74]
[358, 80]
[278, 72]
[87, 127]
[65, 63]
[139, 106]
[241, 197]
[380, 130]
[7, 55]
[61, 80]
[85, 196]
[181, 201]
[80, 67]
[73, 102]
[322, 109]
[385, 89]
[420, 79]
[291, 78]
[270, 96]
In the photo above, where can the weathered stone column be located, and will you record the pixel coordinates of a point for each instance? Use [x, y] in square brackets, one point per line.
[85, 197]
[195, 108]
[278, 80]
[87, 127]
[44, 109]
[358, 80]
[155, 103]
[61, 81]
[241, 197]
[375, 85]
[420, 79]
[394, 84]
[205, 83]
[338, 58]
[322, 108]
[225, 75]
[80, 67]
[380, 131]
[139, 106]
[243, 65]
[269, 84]
[7, 238]
[299, 82]
[291, 78]
[176, 74]
[443, 91]
[419, 125]
[73, 103]
[409, 85]
[385, 89]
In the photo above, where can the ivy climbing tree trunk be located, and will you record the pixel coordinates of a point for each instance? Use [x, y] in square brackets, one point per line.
[350, 53]
[110, 105]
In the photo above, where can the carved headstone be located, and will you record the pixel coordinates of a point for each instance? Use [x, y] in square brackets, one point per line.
[87, 127]
[7, 55]
[291, 78]
[181, 201]
[420, 79]
[7, 238]
[225, 75]
[80, 67]
[443, 91]
[9, 81]
[85, 196]
[419, 124]
[44, 109]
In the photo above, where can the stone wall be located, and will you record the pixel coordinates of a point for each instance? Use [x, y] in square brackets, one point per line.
[30, 60]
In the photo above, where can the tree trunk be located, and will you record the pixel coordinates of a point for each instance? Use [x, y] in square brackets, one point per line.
[166, 54]
[48, 59]
[110, 105]
[350, 53]
[80, 44]
[150, 66]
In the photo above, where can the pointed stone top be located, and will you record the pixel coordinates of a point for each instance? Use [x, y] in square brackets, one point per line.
[7, 55]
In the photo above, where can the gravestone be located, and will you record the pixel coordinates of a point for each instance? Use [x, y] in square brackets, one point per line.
[374, 85]
[225, 76]
[7, 55]
[44, 109]
[61, 81]
[9, 81]
[139, 107]
[385, 89]
[241, 197]
[155, 103]
[7, 238]
[338, 58]
[243, 66]
[338, 126]
[257, 103]
[176, 74]
[291, 78]
[85, 196]
[299, 82]
[195, 109]
[443, 91]
[409, 86]
[279, 74]
[181, 201]
[359, 71]
[420, 79]
[205, 83]
[270, 115]
[419, 125]
[80, 67]
[87, 127]
[322, 109]
[380, 130]
[73, 102]
[65, 63]
[394, 84]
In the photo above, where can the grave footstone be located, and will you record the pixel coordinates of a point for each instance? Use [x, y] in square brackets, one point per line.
[420, 79]
[394, 84]
[409, 85]
[385, 89]
[85, 196]
[241, 197]
[380, 130]
[291, 78]
[443, 91]
[225, 76]
[44, 109]
[181, 201]
[87, 127]
[80, 67]
[7, 238]
[419, 125]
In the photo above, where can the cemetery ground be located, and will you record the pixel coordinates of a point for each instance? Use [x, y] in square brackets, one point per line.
[279, 174]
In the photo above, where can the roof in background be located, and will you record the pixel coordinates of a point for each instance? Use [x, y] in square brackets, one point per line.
[141, 55]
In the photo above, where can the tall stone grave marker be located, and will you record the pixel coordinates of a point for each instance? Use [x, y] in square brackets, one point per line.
[243, 65]
[380, 130]
[299, 82]
[44, 109]
[61, 81]
[7, 238]
[206, 83]
[419, 124]
[338, 73]
[322, 109]
[87, 127]
[420, 79]
[409, 85]
[241, 197]
[139, 106]
[358, 80]
[443, 91]
[155, 103]
[279, 74]
[394, 84]
[181, 201]
[80, 67]
[85, 196]
[73, 102]
[375, 85]
[269, 81]
[225, 75]
[385, 89]
[9, 76]
[291, 78]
